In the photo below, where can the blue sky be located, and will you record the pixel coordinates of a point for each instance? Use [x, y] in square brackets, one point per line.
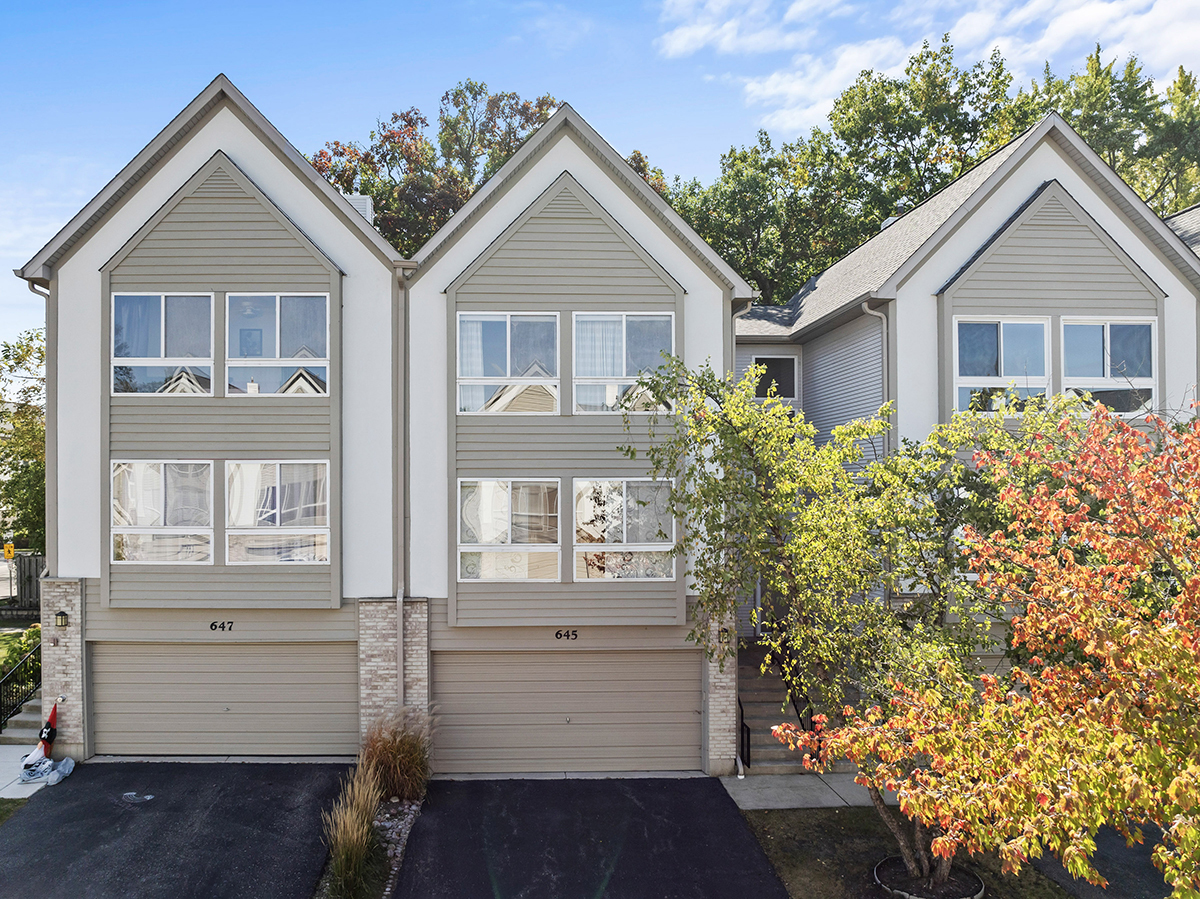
[87, 85]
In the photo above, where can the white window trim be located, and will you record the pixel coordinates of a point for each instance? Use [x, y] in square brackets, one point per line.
[1109, 382]
[1045, 383]
[232, 361]
[621, 547]
[115, 529]
[577, 380]
[161, 361]
[556, 547]
[277, 529]
[460, 381]
[795, 377]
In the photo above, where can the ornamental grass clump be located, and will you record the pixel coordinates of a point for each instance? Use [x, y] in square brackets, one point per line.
[350, 835]
[396, 750]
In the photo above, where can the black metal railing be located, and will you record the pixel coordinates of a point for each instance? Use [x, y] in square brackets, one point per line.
[745, 730]
[20, 684]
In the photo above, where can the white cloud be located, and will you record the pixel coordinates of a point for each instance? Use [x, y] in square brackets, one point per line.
[827, 42]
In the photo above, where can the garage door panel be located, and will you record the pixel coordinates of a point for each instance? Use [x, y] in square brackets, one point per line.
[234, 699]
[507, 712]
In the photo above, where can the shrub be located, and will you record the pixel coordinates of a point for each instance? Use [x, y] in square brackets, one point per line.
[350, 834]
[396, 750]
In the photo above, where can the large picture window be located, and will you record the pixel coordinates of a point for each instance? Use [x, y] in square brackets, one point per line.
[1113, 361]
[278, 344]
[162, 343]
[508, 530]
[162, 512]
[998, 359]
[507, 363]
[277, 512]
[624, 529]
[611, 350]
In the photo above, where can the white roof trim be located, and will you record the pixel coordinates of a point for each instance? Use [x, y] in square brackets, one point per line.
[221, 88]
[565, 116]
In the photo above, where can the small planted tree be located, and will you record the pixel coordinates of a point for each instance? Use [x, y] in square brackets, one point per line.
[1099, 725]
[859, 551]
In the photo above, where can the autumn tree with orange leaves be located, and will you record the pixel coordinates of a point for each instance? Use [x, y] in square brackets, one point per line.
[1101, 726]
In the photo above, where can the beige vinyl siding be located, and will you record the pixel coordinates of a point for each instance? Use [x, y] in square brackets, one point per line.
[182, 624]
[565, 254]
[1054, 261]
[565, 248]
[843, 375]
[221, 427]
[220, 233]
[567, 711]
[248, 699]
[1051, 261]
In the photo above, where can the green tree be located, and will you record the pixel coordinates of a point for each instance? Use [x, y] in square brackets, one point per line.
[417, 182]
[23, 438]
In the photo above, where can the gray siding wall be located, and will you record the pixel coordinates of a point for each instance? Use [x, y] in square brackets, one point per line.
[1053, 261]
[843, 375]
[220, 235]
[564, 255]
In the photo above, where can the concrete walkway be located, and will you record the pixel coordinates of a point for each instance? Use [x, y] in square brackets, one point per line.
[10, 772]
[797, 791]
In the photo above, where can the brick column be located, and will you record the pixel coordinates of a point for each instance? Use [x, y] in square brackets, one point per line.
[416, 653]
[720, 708]
[62, 665]
[378, 687]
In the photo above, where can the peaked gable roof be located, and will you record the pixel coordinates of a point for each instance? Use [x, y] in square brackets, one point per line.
[220, 178]
[876, 268]
[567, 118]
[220, 90]
[1186, 223]
[566, 200]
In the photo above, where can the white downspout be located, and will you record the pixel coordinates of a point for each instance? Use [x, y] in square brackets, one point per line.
[887, 394]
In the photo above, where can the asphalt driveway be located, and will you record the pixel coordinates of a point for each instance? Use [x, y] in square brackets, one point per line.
[211, 830]
[584, 839]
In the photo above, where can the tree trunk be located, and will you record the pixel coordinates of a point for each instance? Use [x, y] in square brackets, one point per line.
[942, 873]
[902, 838]
[921, 840]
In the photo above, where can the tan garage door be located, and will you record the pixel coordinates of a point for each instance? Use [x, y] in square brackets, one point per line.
[244, 699]
[566, 711]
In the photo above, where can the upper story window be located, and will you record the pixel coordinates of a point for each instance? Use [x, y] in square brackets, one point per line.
[162, 343]
[507, 363]
[611, 350]
[277, 512]
[624, 529]
[508, 530]
[1111, 360]
[162, 512]
[781, 371]
[999, 357]
[278, 344]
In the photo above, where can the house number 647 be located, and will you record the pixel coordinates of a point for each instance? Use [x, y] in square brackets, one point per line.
[221, 626]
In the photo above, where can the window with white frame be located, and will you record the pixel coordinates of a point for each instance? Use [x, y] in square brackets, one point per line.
[507, 363]
[1113, 361]
[780, 372]
[611, 350]
[162, 512]
[277, 344]
[277, 512]
[624, 529]
[162, 343]
[995, 359]
[508, 530]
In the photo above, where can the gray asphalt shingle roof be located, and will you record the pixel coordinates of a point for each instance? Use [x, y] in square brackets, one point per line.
[1187, 225]
[871, 264]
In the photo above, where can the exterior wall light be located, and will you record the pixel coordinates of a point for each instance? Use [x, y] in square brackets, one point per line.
[60, 619]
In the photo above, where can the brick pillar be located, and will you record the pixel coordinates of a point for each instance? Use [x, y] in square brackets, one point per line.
[720, 707]
[416, 653]
[62, 664]
[378, 687]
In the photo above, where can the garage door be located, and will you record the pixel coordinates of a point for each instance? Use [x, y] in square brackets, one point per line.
[247, 699]
[566, 711]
